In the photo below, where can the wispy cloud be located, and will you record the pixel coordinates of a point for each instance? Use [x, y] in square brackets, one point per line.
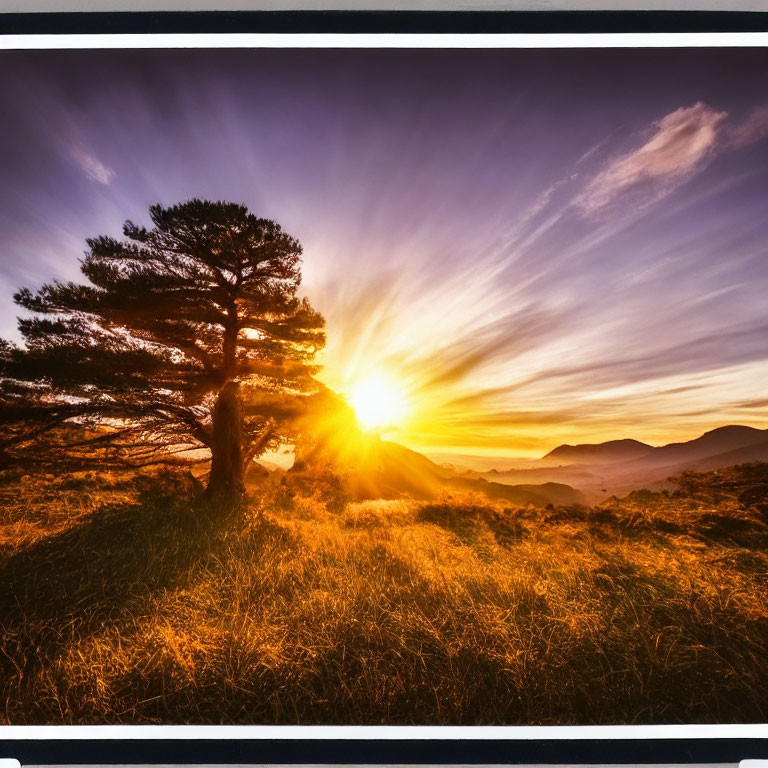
[750, 130]
[90, 165]
[683, 141]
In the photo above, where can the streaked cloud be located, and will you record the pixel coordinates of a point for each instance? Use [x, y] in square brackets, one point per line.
[752, 129]
[90, 165]
[682, 141]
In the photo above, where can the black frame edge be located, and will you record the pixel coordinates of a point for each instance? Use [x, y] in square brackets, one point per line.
[360, 22]
[382, 751]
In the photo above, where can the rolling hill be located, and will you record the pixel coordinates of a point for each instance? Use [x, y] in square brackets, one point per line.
[386, 470]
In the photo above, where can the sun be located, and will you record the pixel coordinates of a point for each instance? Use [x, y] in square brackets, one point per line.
[378, 402]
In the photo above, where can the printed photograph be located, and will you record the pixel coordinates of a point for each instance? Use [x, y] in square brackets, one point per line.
[384, 386]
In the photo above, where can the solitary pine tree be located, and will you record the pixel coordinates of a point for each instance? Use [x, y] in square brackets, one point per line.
[189, 335]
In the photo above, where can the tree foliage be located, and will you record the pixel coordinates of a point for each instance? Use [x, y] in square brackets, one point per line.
[135, 360]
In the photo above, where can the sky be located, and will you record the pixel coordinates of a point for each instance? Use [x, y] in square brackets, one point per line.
[535, 246]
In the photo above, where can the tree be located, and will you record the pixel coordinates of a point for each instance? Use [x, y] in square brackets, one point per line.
[189, 335]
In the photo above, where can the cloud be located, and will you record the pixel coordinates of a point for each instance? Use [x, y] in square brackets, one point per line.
[733, 346]
[502, 339]
[750, 130]
[682, 142]
[752, 404]
[90, 165]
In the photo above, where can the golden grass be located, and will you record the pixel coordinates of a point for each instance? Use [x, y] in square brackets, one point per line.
[122, 603]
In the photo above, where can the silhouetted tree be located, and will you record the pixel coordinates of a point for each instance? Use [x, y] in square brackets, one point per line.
[189, 335]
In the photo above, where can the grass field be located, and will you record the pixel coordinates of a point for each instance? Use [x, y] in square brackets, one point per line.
[122, 602]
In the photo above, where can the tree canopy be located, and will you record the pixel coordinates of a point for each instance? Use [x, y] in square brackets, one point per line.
[188, 335]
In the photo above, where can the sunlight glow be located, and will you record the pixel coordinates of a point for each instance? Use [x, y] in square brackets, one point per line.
[378, 402]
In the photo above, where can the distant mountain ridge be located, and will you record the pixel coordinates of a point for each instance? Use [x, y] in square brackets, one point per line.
[567, 475]
[616, 467]
[721, 440]
[582, 473]
[715, 442]
[611, 450]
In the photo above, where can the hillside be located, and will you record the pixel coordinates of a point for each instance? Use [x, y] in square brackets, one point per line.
[130, 606]
[756, 452]
[386, 470]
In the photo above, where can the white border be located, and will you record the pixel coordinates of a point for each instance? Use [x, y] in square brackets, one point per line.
[393, 40]
[399, 40]
[386, 732]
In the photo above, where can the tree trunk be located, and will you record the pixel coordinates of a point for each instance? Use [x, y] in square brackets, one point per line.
[226, 479]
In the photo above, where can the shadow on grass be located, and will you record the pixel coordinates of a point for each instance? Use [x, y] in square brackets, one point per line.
[732, 531]
[467, 521]
[65, 587]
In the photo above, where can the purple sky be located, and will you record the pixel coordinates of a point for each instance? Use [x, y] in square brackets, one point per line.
[537, 246]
